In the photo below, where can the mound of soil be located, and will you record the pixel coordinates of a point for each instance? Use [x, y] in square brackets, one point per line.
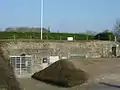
[62, 73]
[7, 78]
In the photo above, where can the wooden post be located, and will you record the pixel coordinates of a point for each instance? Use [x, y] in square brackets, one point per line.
[14, 36]
[109, 37]
[74, 38]
[60, 38]
[87, 37]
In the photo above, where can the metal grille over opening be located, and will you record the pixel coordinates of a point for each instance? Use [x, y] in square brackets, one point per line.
[21, 64]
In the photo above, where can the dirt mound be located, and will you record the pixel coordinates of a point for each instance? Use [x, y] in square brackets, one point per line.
[62, 73]
[7, 78]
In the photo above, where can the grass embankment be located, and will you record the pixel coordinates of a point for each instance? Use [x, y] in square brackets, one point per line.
[7, 78]
[46, 36]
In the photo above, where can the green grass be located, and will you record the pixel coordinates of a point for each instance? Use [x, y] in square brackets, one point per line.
[46, 36]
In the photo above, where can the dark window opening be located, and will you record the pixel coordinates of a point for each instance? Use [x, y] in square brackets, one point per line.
[45, 60]
[114, 51]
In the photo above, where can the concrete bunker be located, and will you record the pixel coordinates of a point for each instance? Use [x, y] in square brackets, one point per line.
[24, 65]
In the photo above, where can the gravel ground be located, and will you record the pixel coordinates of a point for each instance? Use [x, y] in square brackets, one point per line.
[105, 69]
[31, 84]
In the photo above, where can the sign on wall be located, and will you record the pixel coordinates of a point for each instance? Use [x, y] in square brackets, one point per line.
[70, 38]
[53, 59]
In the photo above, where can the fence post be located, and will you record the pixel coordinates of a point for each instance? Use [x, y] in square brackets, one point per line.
[60, 38]
[109, 37]
[47, 37]
[30, 37]
[14, 36]
[87, 37]
[74, 38]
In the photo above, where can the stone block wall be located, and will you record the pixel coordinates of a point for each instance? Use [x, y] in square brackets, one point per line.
[39, 50]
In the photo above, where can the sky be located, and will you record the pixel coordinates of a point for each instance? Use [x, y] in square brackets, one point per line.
[61, 15]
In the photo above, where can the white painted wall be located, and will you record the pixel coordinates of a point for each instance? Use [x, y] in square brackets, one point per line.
[53, 59]
[70, 38]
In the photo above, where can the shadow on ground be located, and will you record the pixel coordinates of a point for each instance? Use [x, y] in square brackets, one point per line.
[7, 78]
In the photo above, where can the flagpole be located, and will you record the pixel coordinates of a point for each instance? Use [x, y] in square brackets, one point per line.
[42, 19]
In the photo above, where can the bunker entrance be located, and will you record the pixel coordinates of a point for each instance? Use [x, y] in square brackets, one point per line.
[114, 51]
[21, 64]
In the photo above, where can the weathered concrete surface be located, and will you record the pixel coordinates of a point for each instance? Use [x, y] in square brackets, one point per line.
[38, 50]
[91, 48]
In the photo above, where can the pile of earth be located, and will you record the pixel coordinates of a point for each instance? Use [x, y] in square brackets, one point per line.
[7, 78]
[62, 73]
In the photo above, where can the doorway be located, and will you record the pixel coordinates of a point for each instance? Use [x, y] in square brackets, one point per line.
[21, 64]
[114, 51]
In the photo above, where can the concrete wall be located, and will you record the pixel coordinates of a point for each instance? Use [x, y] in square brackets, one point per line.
[38, 50]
